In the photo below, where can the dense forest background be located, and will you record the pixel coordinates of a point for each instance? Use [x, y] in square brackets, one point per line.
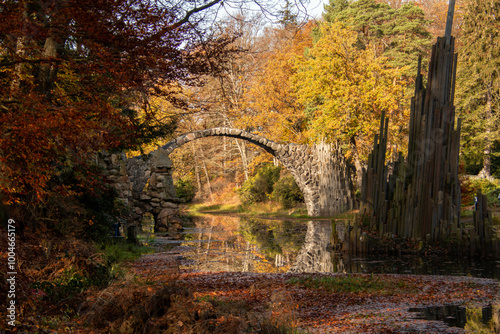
[330, 79]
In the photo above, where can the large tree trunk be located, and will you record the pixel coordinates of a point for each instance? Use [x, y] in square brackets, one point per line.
[52, 47]
[21, 53]
[48, 70]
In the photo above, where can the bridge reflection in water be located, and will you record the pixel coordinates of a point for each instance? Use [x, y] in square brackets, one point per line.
[225, 243]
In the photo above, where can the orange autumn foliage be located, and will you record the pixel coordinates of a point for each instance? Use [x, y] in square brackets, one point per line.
[75, 75]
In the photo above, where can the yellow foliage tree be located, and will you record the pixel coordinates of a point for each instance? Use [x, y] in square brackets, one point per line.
[275, 111]
[345, 89]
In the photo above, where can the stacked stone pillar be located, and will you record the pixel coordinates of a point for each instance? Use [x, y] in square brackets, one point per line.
[145, 184]
[420, 201]
[154, 191]
[115, 169]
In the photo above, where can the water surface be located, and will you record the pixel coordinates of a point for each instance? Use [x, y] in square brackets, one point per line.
[228, 243]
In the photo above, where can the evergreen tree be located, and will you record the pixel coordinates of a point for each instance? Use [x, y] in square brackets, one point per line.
[334, 8]
[478, 93]
[409, 38]
[370, 19]
[400, 34]
[287, 17]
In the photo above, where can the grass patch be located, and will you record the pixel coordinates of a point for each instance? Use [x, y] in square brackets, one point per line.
[200, 208]
[354, 284]
[124, 252]
[349, 215]
[466, 213]
[146, 239]
[226, 306]
[268, 209]
[73, 275]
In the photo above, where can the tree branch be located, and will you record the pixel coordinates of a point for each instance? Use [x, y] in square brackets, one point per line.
[29, 61]
[195, 10]
[184, 20]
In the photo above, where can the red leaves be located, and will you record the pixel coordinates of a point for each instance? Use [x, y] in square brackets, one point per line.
[341, 312]
[64, 85]
[322, 310]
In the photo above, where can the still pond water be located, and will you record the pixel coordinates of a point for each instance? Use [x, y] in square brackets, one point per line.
[228, 243]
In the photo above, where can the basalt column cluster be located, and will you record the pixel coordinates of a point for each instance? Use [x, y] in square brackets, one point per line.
[420, 200]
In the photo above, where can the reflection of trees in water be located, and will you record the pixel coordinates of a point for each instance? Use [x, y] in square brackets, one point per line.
[483, 320]
[222, 243]
[475, 319]
[213, 244]
[275, 239]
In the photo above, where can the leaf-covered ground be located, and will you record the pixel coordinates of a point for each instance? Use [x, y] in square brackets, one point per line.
[329, 303]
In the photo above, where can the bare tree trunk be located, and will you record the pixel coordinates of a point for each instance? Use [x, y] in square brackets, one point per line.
[486, 171]
[198, 178]
[208, 182]
[224, 155]
[357, 163]
[244, 158]
[209, 240]
[205, 169]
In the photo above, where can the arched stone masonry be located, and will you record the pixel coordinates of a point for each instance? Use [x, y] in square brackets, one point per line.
[316, 253]
[321, 171]
[145, 182]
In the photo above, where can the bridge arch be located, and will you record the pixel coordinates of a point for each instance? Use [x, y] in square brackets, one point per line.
[321, 171]
[266, 144]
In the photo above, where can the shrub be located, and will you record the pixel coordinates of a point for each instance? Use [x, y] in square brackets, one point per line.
[85, 211]
[287, 192]
[259, 187]
[124, 252]
[490, 189]
[185, 188]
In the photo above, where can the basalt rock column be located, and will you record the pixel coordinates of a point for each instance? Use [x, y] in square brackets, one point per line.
[420, 201]
[323, 175]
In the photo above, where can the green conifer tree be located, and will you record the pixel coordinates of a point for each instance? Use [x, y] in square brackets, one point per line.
[400, 34]
[478, 87]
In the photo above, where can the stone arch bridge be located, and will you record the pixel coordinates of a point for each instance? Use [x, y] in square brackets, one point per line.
[321, 172]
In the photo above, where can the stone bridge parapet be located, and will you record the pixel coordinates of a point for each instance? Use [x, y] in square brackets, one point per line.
[260, 141]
